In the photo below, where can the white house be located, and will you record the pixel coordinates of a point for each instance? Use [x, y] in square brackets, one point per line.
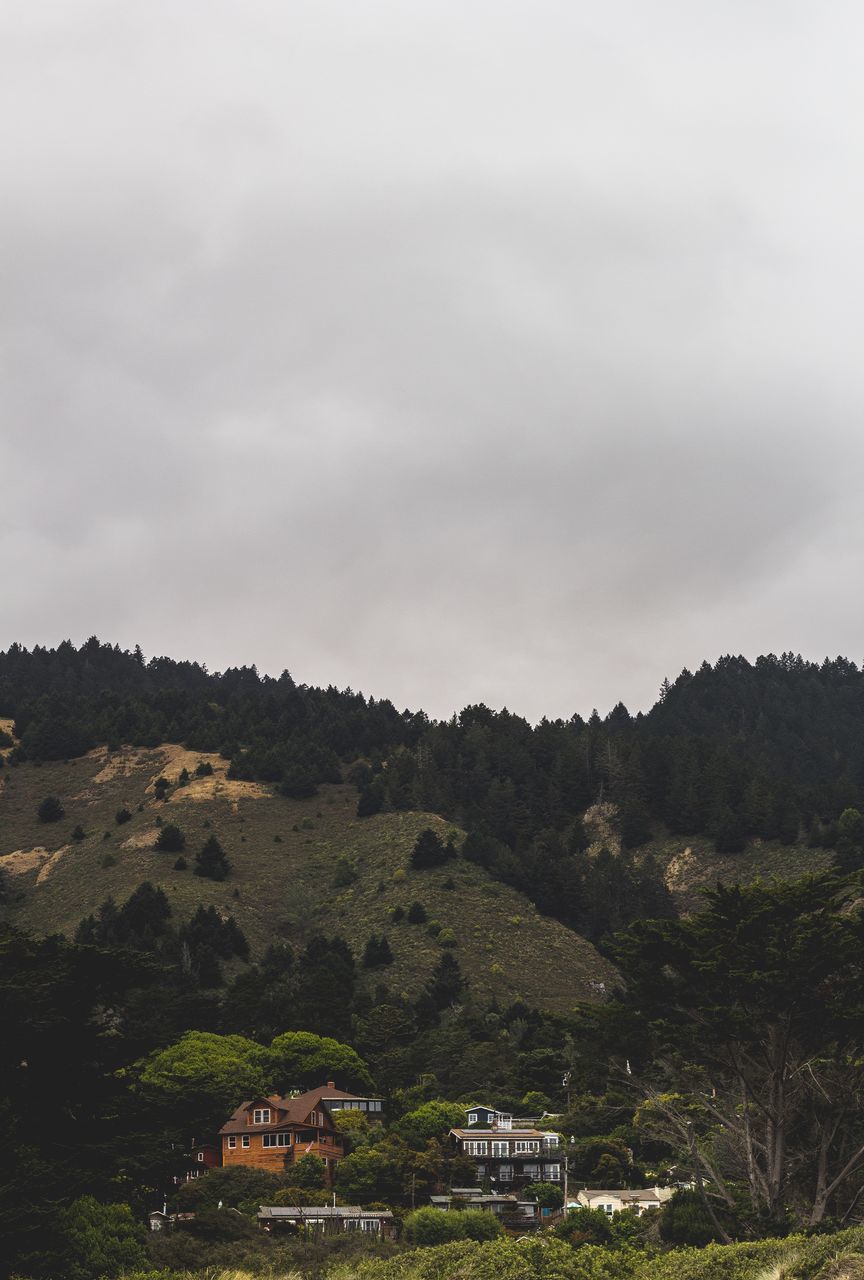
[618, 1201]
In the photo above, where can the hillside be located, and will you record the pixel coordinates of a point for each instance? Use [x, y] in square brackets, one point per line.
[284, 854]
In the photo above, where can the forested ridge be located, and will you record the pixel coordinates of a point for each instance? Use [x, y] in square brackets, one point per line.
[770, 750]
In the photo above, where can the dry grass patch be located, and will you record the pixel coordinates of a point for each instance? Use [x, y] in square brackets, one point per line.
[20, 861]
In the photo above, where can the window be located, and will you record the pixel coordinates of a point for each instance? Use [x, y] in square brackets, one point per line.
[551, 1141]
[472, 1117]
[553, 1172]
[370, 1224]
[476, 1148]
[276, 1139]
[374, 1104]
[261, 1116]
[232, 1141]
[527, 1146]
[200, 1156]
[505, 1173]
[500, 1148]
[246, 1140]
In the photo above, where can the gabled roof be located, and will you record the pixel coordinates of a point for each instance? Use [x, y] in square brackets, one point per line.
[289, 1111]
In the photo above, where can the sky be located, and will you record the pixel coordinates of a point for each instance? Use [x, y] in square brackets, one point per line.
[454, 352]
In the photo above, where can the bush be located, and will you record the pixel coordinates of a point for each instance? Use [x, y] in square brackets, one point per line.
[203, 769]
[181, 864]
[430, 1226]
[121, 816]
[170, 839]
[417, 913]
[50, 810]
[107, 860]
[585, 1226]
[79, 833]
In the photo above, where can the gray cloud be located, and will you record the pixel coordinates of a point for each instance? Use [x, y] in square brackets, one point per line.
[496, 352]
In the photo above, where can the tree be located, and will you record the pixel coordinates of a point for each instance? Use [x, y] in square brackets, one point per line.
[299, 1058]
[417, 913]
[547, 1194]
[170, 839]
[121, 816]
[51, 810]
[585, 1226]
[377, 952]
[101, 1240]
[850, 841]
[203, 1077]
[433, 1119]
[211, 862]
[755, 1012]
[429, 851]
[308, 1172]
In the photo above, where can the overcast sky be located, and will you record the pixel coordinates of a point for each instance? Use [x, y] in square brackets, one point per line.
[456, 352]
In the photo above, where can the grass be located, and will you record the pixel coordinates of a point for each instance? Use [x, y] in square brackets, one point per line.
[284, 854]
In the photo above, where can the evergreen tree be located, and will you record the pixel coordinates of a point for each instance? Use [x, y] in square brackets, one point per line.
[429, 851]
[170, 839]
[211, 861]
[377, 952]
[51, 810]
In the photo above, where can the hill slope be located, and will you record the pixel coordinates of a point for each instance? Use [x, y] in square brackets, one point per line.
[284, 854]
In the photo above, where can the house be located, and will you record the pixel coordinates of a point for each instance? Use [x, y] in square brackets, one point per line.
[326, 1219]
[484, 1117]
[619, 1201]
[272, 1132]
[203, 1156]
[506, 1156]
[337, 1100]
[504, 1205]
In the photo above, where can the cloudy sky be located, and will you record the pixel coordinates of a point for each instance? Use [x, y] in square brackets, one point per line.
[491, 350]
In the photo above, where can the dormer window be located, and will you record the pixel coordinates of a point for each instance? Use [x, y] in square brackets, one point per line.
[261, 1115]
[472, 1117]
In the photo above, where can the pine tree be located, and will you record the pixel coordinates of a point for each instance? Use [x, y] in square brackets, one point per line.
[211, 861]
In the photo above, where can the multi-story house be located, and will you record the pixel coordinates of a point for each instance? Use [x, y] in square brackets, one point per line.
[505, 1156]
[273, 1132]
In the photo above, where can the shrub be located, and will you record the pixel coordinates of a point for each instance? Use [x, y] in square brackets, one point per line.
[396, 914]
[417, 913]
[121, 816]
[447, 938]
[346, 873]
[181, 864]
[50, 810]
[203, 769]
[79, 833]
[430, 1226]
[107, 860]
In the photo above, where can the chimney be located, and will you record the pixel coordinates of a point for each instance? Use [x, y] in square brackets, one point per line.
[331, 1084]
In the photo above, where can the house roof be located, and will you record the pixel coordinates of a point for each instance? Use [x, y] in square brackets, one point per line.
[321, 1211]
[289, 1111]
[645, 1193]
[502, 1135]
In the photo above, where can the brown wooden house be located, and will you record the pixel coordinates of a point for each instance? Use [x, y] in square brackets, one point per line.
[274, 1132]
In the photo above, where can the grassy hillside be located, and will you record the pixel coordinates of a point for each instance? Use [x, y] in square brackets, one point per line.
[285, 855]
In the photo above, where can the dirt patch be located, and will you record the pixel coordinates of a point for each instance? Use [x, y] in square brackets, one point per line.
[6, 723]
[680, 871]
[47, 867]
[24, 860]
[115, 764]
[141, 839]
[214, 786]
